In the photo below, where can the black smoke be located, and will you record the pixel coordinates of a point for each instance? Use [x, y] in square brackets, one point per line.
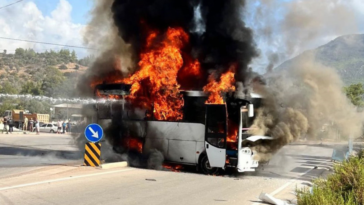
[219, 37]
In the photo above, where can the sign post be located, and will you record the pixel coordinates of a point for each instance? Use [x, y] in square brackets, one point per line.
[93, 133]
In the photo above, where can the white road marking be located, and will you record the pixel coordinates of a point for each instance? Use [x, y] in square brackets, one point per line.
[63, 179]
[289, 183]
[286, 184]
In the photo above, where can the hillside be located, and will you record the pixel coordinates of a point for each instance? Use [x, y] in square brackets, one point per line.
[50, 73]
[345, 54]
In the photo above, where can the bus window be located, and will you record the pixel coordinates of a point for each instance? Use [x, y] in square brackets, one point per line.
[216, 125]
[217, 142]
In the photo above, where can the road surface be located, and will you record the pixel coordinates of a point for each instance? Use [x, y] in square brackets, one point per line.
[46, 169]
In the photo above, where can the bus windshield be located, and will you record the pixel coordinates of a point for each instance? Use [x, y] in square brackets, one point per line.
[104, 90]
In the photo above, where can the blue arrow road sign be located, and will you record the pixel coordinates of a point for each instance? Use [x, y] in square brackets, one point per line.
[94, 133]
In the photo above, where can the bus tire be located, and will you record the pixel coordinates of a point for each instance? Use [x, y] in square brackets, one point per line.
[205, 166]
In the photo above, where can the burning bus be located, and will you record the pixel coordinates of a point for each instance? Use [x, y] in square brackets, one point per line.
[177, 96]
[208, 136]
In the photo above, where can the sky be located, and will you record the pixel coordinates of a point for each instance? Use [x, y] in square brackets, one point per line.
[53, 21]
[79, 13]
[282, 28]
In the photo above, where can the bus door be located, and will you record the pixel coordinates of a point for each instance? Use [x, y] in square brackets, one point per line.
[215, 135]
[245, 154]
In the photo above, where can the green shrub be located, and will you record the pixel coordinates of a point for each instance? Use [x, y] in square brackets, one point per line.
[345, 186]
[63, 67]
[361, 154]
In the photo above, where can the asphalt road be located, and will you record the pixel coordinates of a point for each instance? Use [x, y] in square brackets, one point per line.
[45, 169]
[24, 152]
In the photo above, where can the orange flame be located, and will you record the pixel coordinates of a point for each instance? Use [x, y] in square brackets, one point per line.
[114, 76]
[159, 66]
[155, 86]
[232, 135]
[215, 88]
[116, 97]
[133, 144]
[173, 167]
[191, 76]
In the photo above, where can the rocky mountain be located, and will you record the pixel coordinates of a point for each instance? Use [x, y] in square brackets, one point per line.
[345, 54]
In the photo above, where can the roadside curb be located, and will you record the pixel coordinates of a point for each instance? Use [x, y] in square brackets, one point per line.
[16, 132]
[114, 165]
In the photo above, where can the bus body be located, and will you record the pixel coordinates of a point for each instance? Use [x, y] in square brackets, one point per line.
[200, 139]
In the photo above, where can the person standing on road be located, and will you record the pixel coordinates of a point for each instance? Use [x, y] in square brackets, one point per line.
[31, 122]
[64, 127]
[11, 125]
[69, 126]
[59, 127]
[25, 126]
[4, 122]
[6, 125]
[37, 126]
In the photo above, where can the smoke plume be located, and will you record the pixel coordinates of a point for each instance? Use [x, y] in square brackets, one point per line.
[304, 101]
[155, 160]
[111, 53]
[119, 29]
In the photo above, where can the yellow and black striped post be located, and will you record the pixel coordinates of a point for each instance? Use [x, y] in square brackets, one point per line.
[92, 154]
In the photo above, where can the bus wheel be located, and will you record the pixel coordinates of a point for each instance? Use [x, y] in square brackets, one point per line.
[206, 168]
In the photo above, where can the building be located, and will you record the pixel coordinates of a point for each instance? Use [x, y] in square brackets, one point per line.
[65, 111]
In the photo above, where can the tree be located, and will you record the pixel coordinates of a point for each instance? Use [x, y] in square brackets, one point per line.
[355, 93]
[63, 67]
[7, 104]
[19, 52]
[52, 61]
[35, 106]
[53, 78]
[73, 57]
[8, 88]
[31, 88]
[67, 88]
[30, 53]
[65, 55]
[85, 61]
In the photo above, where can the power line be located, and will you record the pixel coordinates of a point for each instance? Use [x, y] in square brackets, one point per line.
[53, 44]
[11, 4]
